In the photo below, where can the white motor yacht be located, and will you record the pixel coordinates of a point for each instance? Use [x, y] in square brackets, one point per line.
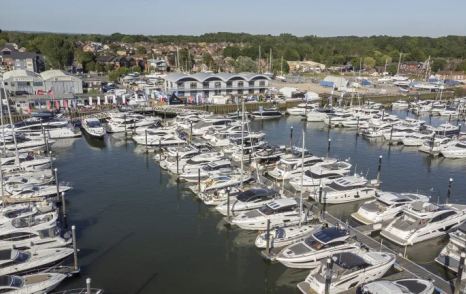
[34, 191]
[291, 165]
[320, 174]
[456, 150]
[31, 284]
[262, 114]
[450, 255]
[400, 105]
[386, 206]
[301, 109]
[322, 243]
[249, 199]
[435, 145]
[93, 128]
[284, 236]
[13, 261]
[281, 212]
[423, 221]
[348, 270]
[211, 169]
[41, 236]
[346, 189]
[404, 286]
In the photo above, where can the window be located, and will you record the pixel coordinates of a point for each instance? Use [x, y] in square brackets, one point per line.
[240, 84]
[218, 84]
[180, 85]
[217, 92]
[443, 216]
[193, 85]
[205, 85]
[229, 84]
[240, 91]
[262, 83]
[251, 84]
[36, 84]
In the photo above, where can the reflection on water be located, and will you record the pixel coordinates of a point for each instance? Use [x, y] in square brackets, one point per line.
[95, 142]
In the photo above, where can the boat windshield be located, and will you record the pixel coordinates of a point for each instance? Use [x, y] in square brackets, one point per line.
[266, 210]
[313, 243]
[93, 123]
[246, 195]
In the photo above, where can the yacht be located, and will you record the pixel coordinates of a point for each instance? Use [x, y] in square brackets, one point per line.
[211, 169]
[400, 105]
[284, 236]
[416, 139]
[58, 129]
[446, 129]
[301, 109]
[348, 270]
[435, 146]
[197, 161]
[223, 181]
[266, 114]
[423, 221]
[404, 286]
[386, 207]
[346, 189]
[247, 200]
[31, 284]
[281, 212]
[289, 166]
[450, 255]
[266, 156]
[320, 174]
[93, 128]
[129, 123]
[203, 126]
[13, 261]
[457, 150]
[33, 191]
[321, 244]
[318, 115]
[42, 236]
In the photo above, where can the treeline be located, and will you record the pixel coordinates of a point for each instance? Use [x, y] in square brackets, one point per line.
[447, 52]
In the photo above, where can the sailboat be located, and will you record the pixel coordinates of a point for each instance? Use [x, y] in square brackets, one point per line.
[281, 77]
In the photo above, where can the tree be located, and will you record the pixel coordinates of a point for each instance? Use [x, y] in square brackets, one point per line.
[207, 59]
[438, 64]
[141, 50]
[58, 51]
[233, 52]
[245, 64]
[368, 62]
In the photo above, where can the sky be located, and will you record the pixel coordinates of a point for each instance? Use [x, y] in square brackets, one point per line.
[195, 17]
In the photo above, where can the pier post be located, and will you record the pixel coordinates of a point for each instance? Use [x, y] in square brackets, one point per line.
[328, 146]
[329, 123]
[460, 273]
[51, 159]
[357, 127]
[56, 183]
[177, 163]
[88, 286]
[45, 140]
[228, 203]
[124, 118]
[379, 169]
[328, 275]
[383, 114]
[160, 149]
[191, 132]
[450, 182]
[75, 248]
[449, 118]
[63, 208]
[291, 138]
[199, 179]
[267, 236]
[145, 132]
[320, 193]
[391, 135]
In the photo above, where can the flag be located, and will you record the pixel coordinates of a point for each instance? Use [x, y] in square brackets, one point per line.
[40, 92]
[57, 104]
[51, 93]
[48, 105]
[65, 103]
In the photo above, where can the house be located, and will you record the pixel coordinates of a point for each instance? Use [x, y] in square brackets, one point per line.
[125, 61]
[61, 83]
[11, 58]
[451, 75]
[305, 66]
[210, 84]
[412, 68]
[159, 65]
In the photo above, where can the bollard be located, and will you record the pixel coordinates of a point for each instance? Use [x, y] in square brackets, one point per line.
[328, 275]
[379, 169]
[199, 179]
[267, 236]
[57, 184]
[88, 286]
[63, 208]
[460, 273]
[450, 182]
[75, 249]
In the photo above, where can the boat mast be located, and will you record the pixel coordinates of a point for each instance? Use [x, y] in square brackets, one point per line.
[270, 61]
[259, 67]
[242, 142]
[11, 123]
[3, 125]
[281, 66]
[302, 181]
[399, 64]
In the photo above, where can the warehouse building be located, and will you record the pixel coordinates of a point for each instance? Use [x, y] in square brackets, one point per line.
[23, 82]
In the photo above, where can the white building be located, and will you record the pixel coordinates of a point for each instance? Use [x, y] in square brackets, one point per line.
[23, 82]
[61, 83]
[210, 84]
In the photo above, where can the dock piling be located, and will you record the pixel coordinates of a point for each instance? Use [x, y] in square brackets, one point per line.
[228, 204]
[55, 170]
[267, 237]
[199, 179]
[88, 286]
[160, 149]
[450, 182]
[291, 138]
[63, 208]
[357, 127]
[75, 248]
[177, 163]
[328, 276]
[145, 132]
[379, 169]
[328, 146]
[391, 135]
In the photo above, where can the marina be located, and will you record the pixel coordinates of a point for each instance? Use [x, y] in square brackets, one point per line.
[133, 210]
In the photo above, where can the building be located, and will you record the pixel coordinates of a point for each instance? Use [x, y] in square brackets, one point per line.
[305, 66]
[210, 84]
[61, 83]
[23, 82]
[158, 65]
[337, 83]
[451, 75]
[11, 59]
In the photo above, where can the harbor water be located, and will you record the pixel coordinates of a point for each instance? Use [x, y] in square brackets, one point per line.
[139, 231]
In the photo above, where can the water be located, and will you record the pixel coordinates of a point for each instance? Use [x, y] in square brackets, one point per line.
[141, 232]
